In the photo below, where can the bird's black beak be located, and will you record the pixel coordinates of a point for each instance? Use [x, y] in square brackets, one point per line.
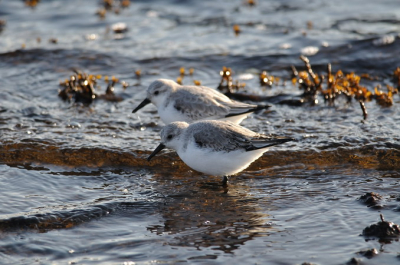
[141, 105]
[158, 149]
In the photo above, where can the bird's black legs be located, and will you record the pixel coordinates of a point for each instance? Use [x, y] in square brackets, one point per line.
[218, 185]
[225, 181]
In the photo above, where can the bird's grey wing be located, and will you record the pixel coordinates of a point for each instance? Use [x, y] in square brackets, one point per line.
[221, 136]
[229, 137]
[232, 107]
[198, 105]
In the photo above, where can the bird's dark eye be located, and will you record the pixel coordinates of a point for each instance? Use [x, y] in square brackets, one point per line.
[169, 137]
[156, 92]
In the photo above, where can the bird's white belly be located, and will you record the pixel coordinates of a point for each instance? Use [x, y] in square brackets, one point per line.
[218, 163]
[170, 114]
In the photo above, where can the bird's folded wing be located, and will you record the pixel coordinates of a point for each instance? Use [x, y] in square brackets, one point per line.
[199, 106]
[224, 137]
[203, 102]
[229, 137]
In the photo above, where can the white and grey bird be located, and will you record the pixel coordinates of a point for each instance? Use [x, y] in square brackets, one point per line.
[192, 103]
[219, 148]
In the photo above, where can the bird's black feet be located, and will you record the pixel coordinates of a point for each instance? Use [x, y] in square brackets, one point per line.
[217, 185]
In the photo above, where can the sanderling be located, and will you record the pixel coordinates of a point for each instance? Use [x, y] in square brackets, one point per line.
[192, 103]
[219, 148]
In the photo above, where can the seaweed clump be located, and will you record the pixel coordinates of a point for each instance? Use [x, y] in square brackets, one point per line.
[236, 29]
[182, 74]
[267, 79]
[396, 77]
[81, 87]
[31, 3]
[227, 85]
[340, 84]
[310, 87]
[385, 231]
[385, 99]
[112, 6]
[250, 2]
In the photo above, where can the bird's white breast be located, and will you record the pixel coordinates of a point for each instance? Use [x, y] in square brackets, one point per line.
[218, 163]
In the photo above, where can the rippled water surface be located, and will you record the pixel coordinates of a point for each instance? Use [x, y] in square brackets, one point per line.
[75, 184]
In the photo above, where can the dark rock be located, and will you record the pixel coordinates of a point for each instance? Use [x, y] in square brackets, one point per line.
[382, 230]
[354, 261]
[370, 253]
[370, 199]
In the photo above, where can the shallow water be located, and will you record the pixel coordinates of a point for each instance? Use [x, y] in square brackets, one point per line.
[76, 187]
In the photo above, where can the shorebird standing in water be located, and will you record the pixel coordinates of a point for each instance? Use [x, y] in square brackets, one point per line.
[192, 103]
[219, 148]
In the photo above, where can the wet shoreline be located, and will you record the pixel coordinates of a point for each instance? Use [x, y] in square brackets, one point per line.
[371, 157]
[76, 185]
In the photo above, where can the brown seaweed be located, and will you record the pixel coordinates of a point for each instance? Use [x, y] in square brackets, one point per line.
[113, 6]
[236, 29]
[396, 77]
[31, 3]
[227, 85]
[81, 87]
[250, 2]
[340, 84]
[266, 79]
